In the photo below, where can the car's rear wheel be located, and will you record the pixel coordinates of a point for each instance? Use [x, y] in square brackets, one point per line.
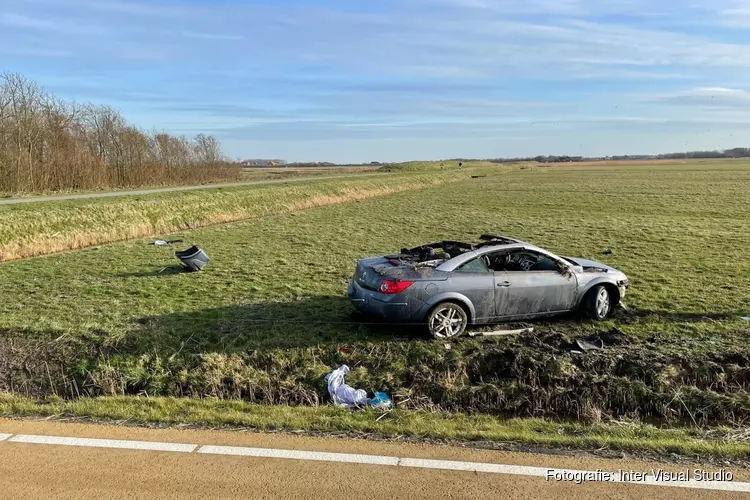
[598, 303]
[447, 320]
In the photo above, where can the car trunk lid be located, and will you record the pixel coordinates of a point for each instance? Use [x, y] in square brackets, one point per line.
[370, 272]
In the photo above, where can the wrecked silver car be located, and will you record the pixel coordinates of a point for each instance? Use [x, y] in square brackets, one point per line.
[450, 285]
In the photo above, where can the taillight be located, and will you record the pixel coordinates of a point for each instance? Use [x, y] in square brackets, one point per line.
[391, 287]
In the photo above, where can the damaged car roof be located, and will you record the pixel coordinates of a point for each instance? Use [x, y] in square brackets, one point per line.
[433, 254]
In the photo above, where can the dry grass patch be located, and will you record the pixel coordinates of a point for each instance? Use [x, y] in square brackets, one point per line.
[42, 229]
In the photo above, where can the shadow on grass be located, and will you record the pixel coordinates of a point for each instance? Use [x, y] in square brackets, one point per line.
[322, 320]
[301, 323]
[306, 322]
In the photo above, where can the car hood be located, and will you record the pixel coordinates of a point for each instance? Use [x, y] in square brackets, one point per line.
[592, 264]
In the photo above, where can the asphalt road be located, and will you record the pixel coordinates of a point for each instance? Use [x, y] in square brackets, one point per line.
[111, 194]
[37, 463]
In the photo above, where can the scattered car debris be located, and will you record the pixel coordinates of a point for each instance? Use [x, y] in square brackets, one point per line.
[595, 344]
[194, 258]
[346, 396]
[381, 401]
[745, 318]
[478, 176]
[449, 285]
[448, 347]
[342, 394]
[607, 251]
[501, 332]
[160, 243]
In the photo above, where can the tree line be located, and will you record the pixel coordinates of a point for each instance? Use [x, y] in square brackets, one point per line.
[727, 153]
[51, 144]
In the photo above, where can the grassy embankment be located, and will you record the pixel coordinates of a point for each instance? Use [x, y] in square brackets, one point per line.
[28, 230]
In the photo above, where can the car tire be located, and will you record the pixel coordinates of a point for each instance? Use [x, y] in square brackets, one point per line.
[447, 320]
[597, 304]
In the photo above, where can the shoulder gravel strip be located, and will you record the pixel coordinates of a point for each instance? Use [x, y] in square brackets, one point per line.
[475, 467]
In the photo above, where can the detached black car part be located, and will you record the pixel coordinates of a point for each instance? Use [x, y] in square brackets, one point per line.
[193, 258]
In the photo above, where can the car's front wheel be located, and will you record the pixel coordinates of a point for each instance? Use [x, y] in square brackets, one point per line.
[598, 303]
[447, 320]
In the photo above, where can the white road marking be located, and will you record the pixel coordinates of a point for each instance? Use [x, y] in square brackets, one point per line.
[299, 455]
[517, 470]
[524, 470]
[104, 443]
[490, 468]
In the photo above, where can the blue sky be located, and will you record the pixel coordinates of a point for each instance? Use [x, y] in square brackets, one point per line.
[350, 81]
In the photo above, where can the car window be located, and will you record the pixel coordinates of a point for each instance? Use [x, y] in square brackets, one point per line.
[497, 260]
[526, 260]
[474, 266]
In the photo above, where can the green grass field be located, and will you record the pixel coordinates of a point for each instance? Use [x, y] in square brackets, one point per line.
[268, 318]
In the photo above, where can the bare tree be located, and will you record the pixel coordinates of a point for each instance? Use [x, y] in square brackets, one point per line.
[207, 149]
[47, 143]
[24, 100]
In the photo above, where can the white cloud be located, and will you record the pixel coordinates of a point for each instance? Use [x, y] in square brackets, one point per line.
[721, 91]
[615, 73]
[736, 14]
[438, 71]
[66, 26]
[707, 98]
[212, 36]
[136, 8]
[31, 52]
[576, 8]
[714, 92]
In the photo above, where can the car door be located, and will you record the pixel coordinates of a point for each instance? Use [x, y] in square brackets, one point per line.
[533, 289]
[477, 283]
